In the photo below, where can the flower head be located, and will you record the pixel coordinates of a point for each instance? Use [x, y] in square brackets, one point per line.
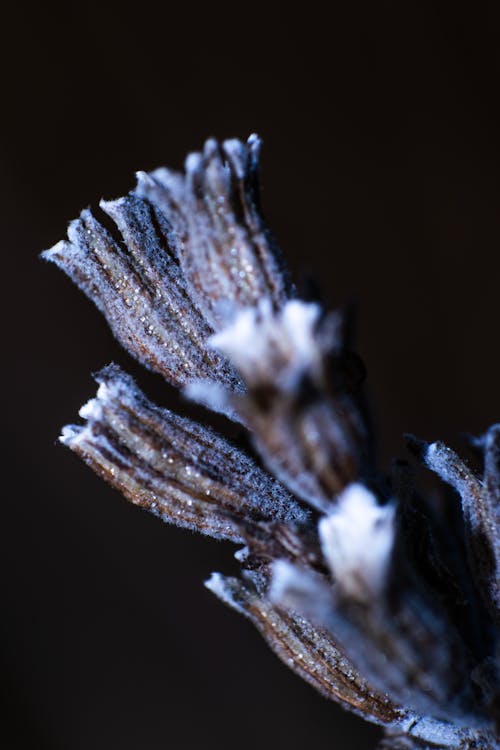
[357, 583]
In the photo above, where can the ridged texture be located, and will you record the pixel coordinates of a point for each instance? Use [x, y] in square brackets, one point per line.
[223, 245]
[183, 472]
[309, 651]
[140, 289]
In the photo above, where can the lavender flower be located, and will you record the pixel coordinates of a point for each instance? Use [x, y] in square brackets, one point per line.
[382, 600]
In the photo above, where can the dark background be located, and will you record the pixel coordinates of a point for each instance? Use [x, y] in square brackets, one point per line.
[381, 165]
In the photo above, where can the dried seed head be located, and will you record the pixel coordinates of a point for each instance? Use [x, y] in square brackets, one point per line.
[368, 594]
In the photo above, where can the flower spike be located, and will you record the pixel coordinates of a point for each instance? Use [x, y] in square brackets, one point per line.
[385, 601]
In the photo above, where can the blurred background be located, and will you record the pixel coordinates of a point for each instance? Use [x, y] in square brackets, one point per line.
[381, 165]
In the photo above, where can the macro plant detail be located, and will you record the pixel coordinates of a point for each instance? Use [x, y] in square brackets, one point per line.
[384, 600]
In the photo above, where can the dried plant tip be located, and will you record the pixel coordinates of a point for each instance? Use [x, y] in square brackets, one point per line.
[480, 507]
[178, 469]
[368, 595]
[225, 250]
[142, 293]
[400, 640]
[310, 652]
[362, 640]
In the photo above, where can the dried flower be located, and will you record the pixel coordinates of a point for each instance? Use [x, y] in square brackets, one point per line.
[383, 601]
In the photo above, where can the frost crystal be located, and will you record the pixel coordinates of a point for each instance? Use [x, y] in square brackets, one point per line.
[382, 600]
